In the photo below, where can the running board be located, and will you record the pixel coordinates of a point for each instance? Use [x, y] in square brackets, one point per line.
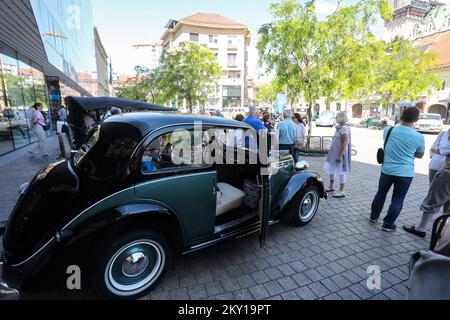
[234, 223]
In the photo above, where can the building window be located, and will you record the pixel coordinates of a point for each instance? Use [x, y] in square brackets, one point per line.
[232, 60]
[213, 39]
[232, 42]
[338, 107]
[234, 74]
[216, 56]
[194, 37]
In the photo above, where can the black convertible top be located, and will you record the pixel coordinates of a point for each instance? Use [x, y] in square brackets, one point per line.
[98, 103]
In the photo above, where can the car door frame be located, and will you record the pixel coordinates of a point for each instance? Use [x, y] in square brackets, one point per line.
[204, 229]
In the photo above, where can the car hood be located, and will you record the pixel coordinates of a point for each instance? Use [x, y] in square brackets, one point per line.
[40, 210]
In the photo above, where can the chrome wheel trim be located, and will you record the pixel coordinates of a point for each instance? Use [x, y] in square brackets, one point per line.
[308, 206]
[152, 270]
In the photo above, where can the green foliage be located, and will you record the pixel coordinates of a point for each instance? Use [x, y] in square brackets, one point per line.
[146, 86]
[405, 73]
[191, 73]
[267, 93]
[312, 58]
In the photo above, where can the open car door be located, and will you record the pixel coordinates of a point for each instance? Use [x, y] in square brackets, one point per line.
[264, 210]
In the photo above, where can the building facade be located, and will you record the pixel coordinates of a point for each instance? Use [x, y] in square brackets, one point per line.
[427, 25]
[228, 40]
[46, 46]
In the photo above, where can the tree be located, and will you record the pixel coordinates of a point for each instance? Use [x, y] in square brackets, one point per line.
[267, 92]
[190, 73]
[145, 86]
[316, 58]
[405, 73]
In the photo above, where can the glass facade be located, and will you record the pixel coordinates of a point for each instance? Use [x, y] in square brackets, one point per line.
[67, 31]
[21, 85]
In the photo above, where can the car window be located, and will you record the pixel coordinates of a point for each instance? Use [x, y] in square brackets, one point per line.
[86, 148]
[177, 149]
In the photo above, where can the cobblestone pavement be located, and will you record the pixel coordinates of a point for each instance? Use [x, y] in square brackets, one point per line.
[17, 168]
[327, 259]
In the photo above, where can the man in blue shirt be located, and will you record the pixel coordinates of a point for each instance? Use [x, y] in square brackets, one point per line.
[288, 133]
[253, 120]
[404, 145]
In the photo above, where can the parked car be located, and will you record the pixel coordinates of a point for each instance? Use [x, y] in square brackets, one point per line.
[126, 202]
[378, 123]
[430, 123]
[326, 119]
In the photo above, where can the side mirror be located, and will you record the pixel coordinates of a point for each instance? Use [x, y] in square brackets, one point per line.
[302, 165]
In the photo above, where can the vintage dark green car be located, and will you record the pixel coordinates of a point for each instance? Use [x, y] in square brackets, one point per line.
[126, 202]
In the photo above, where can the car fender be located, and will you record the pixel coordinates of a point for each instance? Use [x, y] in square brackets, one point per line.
[296, 184]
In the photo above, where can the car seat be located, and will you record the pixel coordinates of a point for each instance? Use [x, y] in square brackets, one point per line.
[228, 198]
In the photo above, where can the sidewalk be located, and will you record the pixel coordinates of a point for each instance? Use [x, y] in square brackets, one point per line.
[17, 168]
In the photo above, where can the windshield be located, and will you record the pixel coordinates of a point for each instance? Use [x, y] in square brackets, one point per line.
[430, 117]
[85, 148]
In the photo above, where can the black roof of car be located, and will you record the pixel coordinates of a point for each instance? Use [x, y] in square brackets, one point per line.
[150, 121]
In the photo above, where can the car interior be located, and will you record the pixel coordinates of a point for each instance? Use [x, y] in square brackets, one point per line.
[238, 191]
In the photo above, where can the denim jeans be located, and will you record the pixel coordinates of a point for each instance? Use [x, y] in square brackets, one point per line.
[401, 188]
[292, 150]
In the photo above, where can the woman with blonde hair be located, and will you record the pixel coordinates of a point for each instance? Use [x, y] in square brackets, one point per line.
[339, 160]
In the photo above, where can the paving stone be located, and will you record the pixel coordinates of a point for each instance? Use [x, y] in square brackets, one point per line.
[179, 294]
[319, 289]
[246, 281]
[347, 294]
[314, 275]
[273, 273]
[242, 294]
[197, 292]
[286, 270]
[288, 283]
[393, 295]
[259, 292]
[305, 293]
[260, 277]
[301, 279]
[274, 288]
[290, 295]
[214, 288]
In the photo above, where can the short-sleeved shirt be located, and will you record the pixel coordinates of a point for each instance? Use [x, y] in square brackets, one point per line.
[255, 123]
[400, 151]
[288, 132]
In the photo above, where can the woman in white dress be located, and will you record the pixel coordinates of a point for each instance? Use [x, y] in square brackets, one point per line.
[38, 124]
[339, 160]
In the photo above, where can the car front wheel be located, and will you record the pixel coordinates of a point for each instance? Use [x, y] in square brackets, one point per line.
[131, 264]
[305, 206]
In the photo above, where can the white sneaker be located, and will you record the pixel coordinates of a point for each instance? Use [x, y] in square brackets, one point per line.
[339, 195]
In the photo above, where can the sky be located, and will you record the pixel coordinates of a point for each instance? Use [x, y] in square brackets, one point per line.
[123, 23]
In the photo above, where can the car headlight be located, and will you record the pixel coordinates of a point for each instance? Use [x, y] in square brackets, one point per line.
[23, 188]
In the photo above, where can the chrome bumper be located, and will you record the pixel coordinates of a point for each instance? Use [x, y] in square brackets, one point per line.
[7, 293]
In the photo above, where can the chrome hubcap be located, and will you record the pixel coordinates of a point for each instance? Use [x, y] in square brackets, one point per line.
[308, 206]
[134, 267]
[135, 264]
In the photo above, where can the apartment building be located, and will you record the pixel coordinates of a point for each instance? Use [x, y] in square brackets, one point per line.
[228, 40]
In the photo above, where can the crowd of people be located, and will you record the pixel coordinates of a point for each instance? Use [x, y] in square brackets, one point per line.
[403, 144]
